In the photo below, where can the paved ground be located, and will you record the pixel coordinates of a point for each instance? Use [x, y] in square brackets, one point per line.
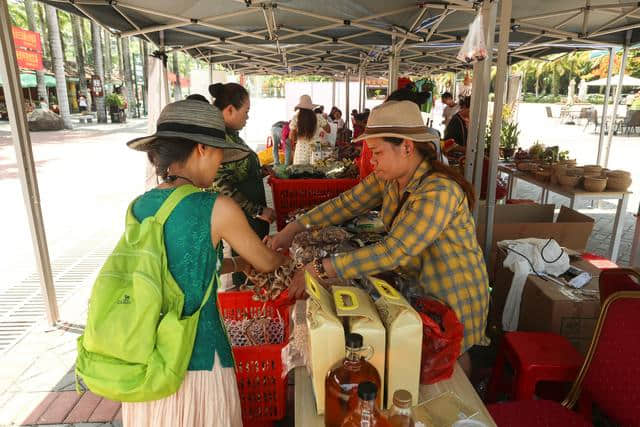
[87, 177]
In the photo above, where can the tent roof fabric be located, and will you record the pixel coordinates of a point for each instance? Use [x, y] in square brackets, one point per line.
[326, 37]
[28, 80]
[626, 81]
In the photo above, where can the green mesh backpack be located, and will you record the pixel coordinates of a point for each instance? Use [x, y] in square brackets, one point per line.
[136, 345]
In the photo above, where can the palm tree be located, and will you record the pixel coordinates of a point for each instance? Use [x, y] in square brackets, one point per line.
[145, 66]
[79, 47]
[31, 20]
[126, 71]
[539, 72]
[58, 66]
[107, 57]
[46, 43]
[176, 69]
[99, 69]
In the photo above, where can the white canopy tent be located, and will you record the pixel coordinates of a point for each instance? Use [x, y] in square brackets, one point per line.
[337, 39]
[627, 80]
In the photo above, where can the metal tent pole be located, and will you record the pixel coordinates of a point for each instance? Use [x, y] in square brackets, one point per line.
[346, 93]
[616, 99]
[484, 103]
[10, 74]
[472, 134]
[333, 94]
[496, 124]
[605, 106]
[364, 88]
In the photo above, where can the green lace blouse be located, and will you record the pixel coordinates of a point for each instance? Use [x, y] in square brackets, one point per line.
[192, 261]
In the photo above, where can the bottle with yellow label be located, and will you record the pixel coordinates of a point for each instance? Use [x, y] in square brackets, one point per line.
[341, 385]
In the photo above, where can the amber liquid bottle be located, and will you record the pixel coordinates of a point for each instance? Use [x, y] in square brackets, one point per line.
[400, 414]
[366, 413]
[341, 384]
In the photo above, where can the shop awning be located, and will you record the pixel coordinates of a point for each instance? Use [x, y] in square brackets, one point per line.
[626, 81]
[28, 80]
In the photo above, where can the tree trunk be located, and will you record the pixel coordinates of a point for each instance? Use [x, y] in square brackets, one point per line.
[554, 83]
[78, 44]
[144, 53]
[128, 82]
[537, 85]
[120, 65]
[58, 66]
[62, 43]
[99, 69]
[31, 19]
[107, 57]
[46, 43]
[177, 90]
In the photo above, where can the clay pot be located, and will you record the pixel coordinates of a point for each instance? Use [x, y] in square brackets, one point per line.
[568, 181]
[595, 184]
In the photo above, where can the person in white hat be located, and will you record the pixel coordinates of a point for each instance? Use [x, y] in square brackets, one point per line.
[426, 209]
[307, 128]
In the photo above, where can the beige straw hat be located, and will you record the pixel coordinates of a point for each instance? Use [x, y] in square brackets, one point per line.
[305, 103]
[397, 119]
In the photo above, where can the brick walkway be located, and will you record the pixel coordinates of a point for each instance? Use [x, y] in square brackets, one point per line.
[71, 408]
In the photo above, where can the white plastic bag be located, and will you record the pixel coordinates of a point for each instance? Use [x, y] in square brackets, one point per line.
[474, 47]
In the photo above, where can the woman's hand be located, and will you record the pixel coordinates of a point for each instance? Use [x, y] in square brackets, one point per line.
[298, 287]
[267, 215]
[283, 239]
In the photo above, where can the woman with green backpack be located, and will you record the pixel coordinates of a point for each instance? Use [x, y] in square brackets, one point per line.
[187, 150]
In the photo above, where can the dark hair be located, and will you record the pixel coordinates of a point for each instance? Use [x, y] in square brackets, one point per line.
[429, 152]
[166, 151]
[197, 97]
[446, 95]
[404, 94]
[465, 102]
[228, 94]
[307, 122]
[354, 112]
[319, 109]
[334, 110]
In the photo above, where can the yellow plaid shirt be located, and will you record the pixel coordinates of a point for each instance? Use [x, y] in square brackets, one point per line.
[433, 239]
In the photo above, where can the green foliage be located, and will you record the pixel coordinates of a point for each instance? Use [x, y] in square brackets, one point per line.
[18, 14]
[114, 100]
[536, 151]
[509, 135]
[545, 99]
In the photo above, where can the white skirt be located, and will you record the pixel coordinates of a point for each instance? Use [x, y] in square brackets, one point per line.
[205, 399]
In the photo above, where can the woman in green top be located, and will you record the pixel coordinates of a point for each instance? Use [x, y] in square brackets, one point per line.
[188, 148]
[241, 180]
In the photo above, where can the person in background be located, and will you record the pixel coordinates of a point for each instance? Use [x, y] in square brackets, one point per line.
[354, 113]
[188, 148]
[450, 109]
[359, 123]
[279, 142]
[635, 104]
[336, 117]
[242, 179]
[458, 125]
[43, 104]
[82, 103]
[307, 128]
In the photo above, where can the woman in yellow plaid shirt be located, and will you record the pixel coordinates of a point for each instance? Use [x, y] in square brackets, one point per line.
[426, 211]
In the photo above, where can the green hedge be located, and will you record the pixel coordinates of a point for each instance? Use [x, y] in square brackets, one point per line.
[545, 99]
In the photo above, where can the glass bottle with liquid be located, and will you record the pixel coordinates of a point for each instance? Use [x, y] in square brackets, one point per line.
[400, 414]
[366, 412]
[341, 384]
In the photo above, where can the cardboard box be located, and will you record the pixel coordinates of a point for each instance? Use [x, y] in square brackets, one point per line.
[571, 229]
[546, 306]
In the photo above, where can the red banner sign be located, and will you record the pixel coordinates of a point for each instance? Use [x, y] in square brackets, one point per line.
[25, 39]
[29, 60]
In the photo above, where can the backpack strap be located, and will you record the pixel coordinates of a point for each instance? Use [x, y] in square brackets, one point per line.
[172, 201]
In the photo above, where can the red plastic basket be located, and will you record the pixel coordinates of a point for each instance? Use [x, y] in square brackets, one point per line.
[292, 194]
[263, 390]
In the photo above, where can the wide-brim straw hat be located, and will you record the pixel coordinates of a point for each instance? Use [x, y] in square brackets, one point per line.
[305, 103]
[195, 121]
[397, 119]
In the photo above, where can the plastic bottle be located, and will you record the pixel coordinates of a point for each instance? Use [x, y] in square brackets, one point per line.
[366, 413]
[400, 414]
[341, 384]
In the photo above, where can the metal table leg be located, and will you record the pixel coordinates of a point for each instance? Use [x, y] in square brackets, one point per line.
[635, 248]
[618, 227]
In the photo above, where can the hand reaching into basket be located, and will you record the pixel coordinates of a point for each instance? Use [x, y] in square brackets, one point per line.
[267, 215]
[282, 240]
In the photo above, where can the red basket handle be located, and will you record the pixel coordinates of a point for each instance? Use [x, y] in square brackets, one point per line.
[269, 142]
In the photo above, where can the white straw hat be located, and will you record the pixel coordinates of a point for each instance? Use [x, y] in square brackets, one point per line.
[397, 119]
[305, 103]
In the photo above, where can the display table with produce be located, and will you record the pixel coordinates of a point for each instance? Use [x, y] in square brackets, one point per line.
[575, 195]
[458, 384]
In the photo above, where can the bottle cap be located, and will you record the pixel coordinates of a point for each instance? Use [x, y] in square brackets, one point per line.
[354, 341]
[367, 390]
[402, 398]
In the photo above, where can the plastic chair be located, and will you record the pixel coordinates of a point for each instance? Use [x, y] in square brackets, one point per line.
[618, 279]
[535, 357]
[609, 376]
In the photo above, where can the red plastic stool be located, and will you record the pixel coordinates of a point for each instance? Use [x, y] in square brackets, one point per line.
[535, 357]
